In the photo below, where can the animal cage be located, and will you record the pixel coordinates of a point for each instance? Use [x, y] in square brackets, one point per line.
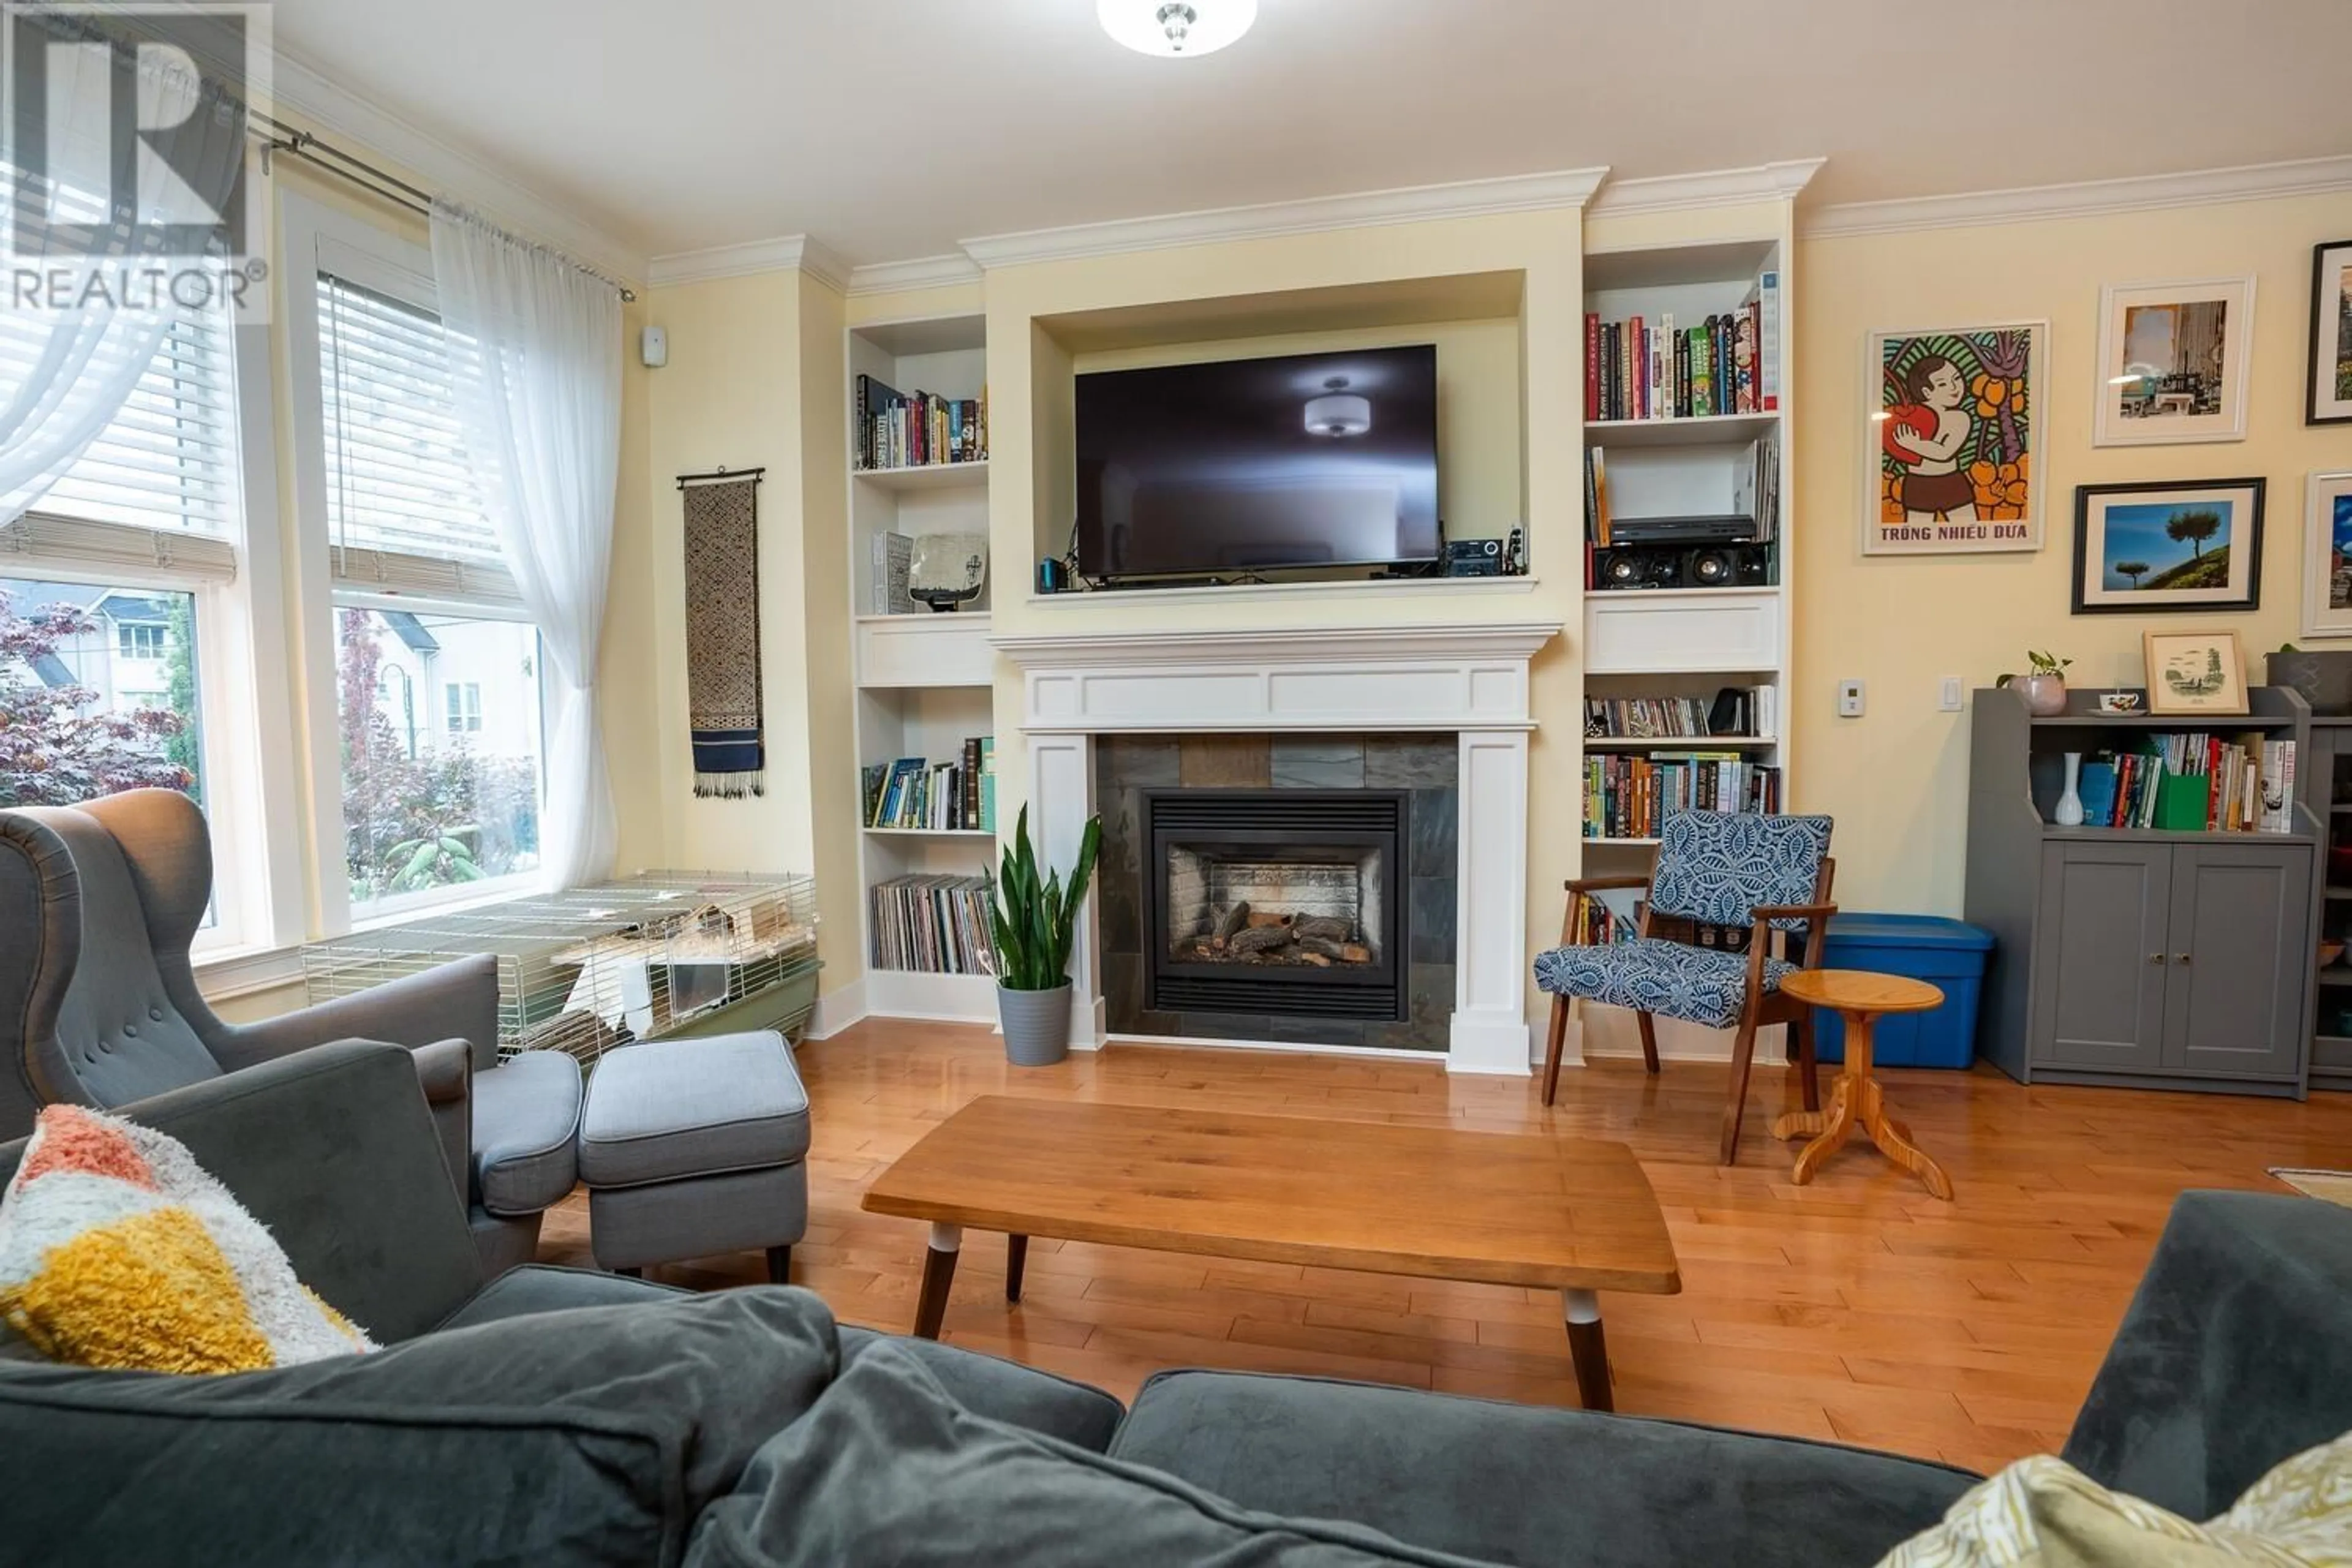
[664, 952]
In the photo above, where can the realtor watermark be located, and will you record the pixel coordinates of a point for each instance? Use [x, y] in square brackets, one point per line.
[122, 133]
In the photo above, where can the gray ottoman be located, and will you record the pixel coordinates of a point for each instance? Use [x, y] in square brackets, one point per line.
[692, 1147]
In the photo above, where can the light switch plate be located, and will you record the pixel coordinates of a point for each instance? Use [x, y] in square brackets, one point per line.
[1950, 700]
[1849, 699]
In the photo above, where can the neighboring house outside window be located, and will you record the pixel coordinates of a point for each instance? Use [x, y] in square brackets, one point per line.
[462, 707]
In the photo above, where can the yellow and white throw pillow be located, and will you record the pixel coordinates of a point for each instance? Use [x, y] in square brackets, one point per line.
[118, 1250]
[2042, 1512]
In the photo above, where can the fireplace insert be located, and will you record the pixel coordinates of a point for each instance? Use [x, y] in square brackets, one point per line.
[1287, 901]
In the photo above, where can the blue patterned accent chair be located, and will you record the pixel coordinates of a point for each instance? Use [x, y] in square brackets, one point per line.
[1765, 878]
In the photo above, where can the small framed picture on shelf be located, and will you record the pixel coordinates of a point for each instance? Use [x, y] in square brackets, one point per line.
[2166, 547]
[2328, 556]
[2195, 674]
[2172, 361]
[2330, 393]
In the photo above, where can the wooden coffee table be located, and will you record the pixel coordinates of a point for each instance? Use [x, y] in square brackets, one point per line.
[1570, 1214]
[1861, 997]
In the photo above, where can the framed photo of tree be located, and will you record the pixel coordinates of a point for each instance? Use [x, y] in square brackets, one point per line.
[2168, 546]
[2194, 673]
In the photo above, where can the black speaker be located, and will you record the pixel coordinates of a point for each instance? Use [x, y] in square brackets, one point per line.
[1683, 566]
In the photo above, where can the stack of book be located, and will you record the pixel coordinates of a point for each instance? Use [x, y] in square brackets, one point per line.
[934, 924]
[2194, 783]
[1741, 711]
[951, 796]
[895, 430]
[1645, 368]
[1599, 921]
[1629, 797]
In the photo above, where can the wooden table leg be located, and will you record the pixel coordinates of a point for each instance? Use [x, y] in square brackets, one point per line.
[1016, 1254]
[1588, 1350]
[939, 1273]
[1894, 1139]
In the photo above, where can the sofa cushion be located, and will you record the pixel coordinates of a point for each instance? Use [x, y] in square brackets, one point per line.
[586, 1437]
[668, 1108]
[2231, 1356]
[1517, 1484]
[1005, 1390]
[526, 1133]
[551, 1288]
[888, 1467]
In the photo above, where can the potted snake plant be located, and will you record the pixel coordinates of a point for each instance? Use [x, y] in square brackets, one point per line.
[1034, 922]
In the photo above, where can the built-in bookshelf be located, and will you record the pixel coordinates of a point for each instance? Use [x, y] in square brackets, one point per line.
[926, 704]
[1686, 361]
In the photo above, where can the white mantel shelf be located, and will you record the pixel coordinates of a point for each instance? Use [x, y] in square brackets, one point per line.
[1469, 681]
[1393, 677]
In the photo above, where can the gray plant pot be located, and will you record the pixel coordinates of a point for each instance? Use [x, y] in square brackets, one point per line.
[1036, 1025]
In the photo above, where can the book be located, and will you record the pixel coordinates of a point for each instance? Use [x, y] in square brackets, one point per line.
[988, 783]
[893, 555]
[1766, 297]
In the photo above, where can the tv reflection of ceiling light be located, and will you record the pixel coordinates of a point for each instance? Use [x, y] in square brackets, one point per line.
[1339, 411]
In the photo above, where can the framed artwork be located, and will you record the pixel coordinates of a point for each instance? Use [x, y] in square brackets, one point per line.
[2195, 673]
[2172, 361]
[1949, 465]
[2330, 401]
[2328, 556]
[2150, 548]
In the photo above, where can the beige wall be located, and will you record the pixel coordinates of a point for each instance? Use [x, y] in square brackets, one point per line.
[755, 379]
[1896, 779]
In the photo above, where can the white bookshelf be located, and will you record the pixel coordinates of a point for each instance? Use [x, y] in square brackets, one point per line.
[925, 681]
[1689, 642]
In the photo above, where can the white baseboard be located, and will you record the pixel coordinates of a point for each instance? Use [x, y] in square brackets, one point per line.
[1502, 1044]
[836, 1010]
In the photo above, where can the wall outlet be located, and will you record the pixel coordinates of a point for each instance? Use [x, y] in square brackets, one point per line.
[1849, 699]
[1950, 699]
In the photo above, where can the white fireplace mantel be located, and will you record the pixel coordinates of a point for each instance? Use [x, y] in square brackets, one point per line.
[1338, 678]
[1468, 679]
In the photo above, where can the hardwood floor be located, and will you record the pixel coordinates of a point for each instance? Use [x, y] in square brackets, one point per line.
[1857, 1309]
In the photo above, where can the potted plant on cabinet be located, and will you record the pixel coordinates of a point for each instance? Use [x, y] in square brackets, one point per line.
[2044, 689]
[1034, 925]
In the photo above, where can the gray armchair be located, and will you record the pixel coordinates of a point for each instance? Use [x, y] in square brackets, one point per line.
[99, 1006]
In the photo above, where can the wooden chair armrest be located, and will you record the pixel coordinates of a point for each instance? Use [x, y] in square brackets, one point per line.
[1817, 915]
[1604, 884]
[1764, 913]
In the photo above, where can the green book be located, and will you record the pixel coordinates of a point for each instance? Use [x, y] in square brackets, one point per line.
[2182, 802]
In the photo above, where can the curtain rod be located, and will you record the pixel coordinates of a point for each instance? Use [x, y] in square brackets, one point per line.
[276, 136]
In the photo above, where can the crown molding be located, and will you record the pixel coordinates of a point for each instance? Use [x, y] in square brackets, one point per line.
[299, 88]
[785, 253]
[1412, 204]
[2084, 198]
[921, 272]
[1781, 181]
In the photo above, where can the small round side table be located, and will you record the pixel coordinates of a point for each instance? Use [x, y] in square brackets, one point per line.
[1856, 1099]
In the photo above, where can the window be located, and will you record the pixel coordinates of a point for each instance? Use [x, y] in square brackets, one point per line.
[461, 706]
[138, 640]
[86, 712]
[422, 607]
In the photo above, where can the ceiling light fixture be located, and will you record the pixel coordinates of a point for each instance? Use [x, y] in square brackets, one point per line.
[1338, 411]
[1176, 28]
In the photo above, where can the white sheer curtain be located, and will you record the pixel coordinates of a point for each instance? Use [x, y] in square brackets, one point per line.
[535, 351]
[66, 367]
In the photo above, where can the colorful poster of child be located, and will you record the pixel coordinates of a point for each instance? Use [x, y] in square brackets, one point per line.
[1950, 458]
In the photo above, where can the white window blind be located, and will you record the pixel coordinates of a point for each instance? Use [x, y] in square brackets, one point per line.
[403, 513]
[169, 458]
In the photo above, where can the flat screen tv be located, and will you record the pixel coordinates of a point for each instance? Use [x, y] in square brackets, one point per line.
[1255, 465]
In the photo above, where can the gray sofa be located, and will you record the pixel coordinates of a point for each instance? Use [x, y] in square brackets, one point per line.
[555, 1416]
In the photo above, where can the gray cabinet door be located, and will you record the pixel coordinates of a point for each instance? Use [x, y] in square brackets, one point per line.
[2100, 963]
[2242, 960]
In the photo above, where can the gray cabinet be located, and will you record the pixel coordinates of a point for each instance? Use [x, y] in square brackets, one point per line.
[2173, 959]
[2241, 960]
[2100, 999]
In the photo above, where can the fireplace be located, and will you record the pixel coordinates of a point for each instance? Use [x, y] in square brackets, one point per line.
[1287, 902]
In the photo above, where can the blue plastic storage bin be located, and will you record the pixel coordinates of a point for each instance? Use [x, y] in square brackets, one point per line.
[1947, 953]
